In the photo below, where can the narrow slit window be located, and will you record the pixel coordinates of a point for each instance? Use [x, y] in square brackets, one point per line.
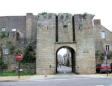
[56, 28]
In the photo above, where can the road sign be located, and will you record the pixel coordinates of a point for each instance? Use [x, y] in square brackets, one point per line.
[19, 57]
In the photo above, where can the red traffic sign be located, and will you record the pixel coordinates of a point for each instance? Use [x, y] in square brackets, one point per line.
[19, 57]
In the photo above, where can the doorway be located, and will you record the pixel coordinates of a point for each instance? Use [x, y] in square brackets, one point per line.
[65, 60]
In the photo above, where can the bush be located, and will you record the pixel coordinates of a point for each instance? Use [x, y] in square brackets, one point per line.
[109, 55]
[12, 47]
[4, 34]
[102, 57]
[99, 55]
[18, 51]
[2, 64]
[29, 54]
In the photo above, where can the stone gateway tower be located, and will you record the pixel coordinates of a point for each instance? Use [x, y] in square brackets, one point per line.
[82, 36]
[74, 32]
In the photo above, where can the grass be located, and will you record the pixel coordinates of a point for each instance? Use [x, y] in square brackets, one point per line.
[15, 74]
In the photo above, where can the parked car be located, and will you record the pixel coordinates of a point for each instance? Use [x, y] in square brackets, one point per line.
[111, 67]
[103, 68]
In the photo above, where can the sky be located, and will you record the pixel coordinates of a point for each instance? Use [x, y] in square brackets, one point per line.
[100, 8]
[62, 51]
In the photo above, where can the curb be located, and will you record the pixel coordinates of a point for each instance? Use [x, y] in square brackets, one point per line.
[9, 81]
[53, 77]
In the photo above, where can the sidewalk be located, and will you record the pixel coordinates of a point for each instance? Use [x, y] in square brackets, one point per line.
[14, 78]
[56, 76]
[67, 76]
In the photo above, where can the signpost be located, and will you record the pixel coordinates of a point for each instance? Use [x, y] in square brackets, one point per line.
[19, 58]
[105, 54]
[0, 54]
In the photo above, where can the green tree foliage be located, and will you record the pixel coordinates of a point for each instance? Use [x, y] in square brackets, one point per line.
[102, 57]
[109, 55]
[29, 54]
[99, 55]
[4, 34]
[2, 64]
[43, 13]
[18, 51]
[11, 46]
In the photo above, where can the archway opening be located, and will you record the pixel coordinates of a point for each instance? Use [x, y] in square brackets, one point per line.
[65, 60]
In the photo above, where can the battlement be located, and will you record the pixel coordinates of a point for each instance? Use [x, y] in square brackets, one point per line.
[64, 24]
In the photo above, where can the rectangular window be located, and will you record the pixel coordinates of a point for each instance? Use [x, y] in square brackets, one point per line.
[103, 35]
[14, 30]
[6, 51]
[3, 29]
[107, 47]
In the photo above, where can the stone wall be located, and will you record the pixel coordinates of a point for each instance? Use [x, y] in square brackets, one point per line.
[47, 44]
[45, 62]
[29, 67]
[100, 43]
[26, 29]
[85, 52]
[65, 29]
[52, 32]
[31, 27]
[26, 67]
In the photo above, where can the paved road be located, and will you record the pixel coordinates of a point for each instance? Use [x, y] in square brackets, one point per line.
[63, 82]
[64, 69]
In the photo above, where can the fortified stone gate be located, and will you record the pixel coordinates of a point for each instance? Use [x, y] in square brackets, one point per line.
[65, 30]
[49, 33]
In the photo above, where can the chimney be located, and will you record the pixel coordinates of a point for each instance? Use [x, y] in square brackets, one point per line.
[97, 22]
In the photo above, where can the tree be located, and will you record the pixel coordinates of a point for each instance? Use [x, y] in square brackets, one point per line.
[109, 55]
[29, 54]
[2, 64]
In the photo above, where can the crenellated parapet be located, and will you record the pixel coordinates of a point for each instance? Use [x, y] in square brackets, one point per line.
[65, 27]
[65, 24]
[44, 21]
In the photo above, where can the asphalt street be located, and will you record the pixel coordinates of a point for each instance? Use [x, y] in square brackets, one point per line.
[63, 82]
